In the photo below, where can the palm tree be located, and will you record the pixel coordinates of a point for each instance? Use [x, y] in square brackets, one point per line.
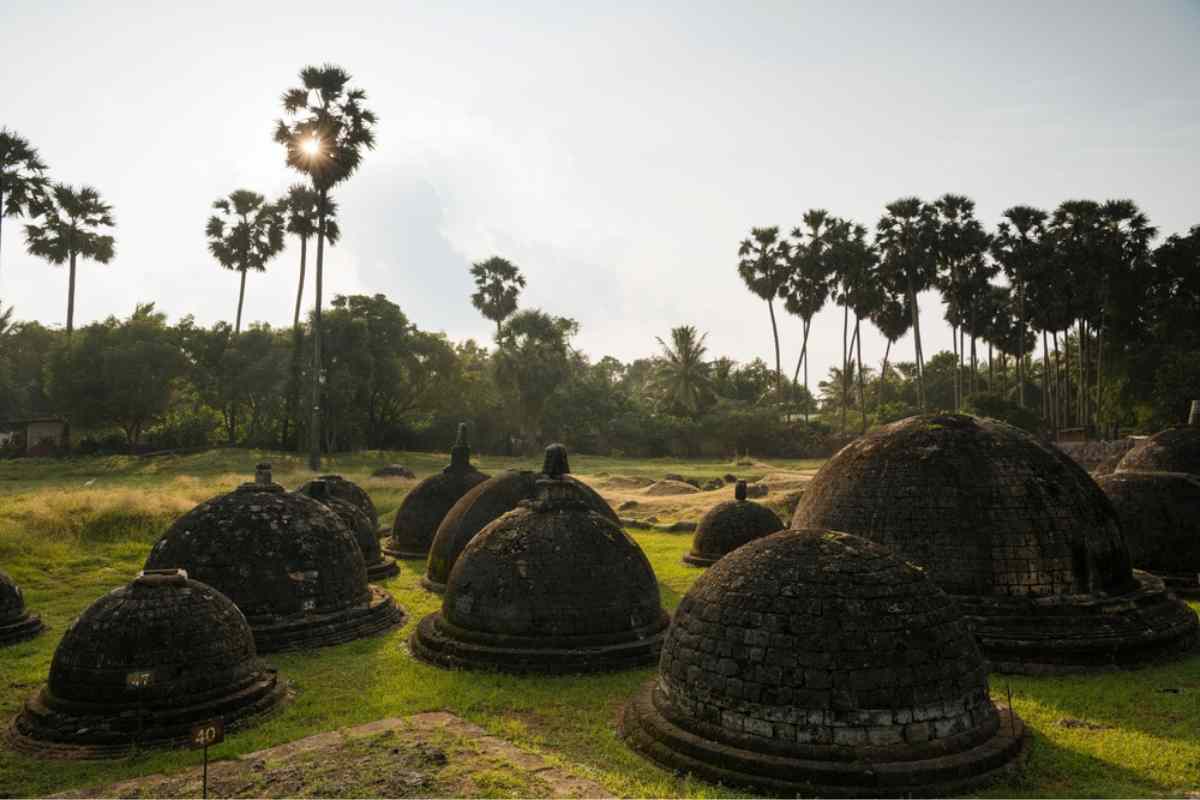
[301, 206]
[246, 233]
[22, 177]
[1020, 247]
[329, 129]
[858, 289]
[961, 242]
[1074, 238]
[905, 240]
[498, 284]
[6, 314]
[808, 278]
[893, 318]
[681, 378]
[69, 231]
[762, 265]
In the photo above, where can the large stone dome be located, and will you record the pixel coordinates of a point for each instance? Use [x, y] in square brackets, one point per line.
[729, 525]
[379, 566]
[16, 623]
[348, 491]
[288, 562]
[549, 587]
[817, 663]
[423, 508]
[1171, 450]
[1017, 531]
[1160, 519]
[146, 662]
[488, 501]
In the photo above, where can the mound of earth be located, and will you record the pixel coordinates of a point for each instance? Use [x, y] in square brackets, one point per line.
[393, 471]
[624, 482]
[666, 488]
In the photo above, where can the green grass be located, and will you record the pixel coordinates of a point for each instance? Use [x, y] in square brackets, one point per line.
[67, 544]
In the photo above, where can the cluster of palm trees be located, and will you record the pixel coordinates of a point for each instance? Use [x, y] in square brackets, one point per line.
[1083, 267]
[70, 221]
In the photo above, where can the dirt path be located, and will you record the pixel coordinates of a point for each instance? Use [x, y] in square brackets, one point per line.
[435, 754]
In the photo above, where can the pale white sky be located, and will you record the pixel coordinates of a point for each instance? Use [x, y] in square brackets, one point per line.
[617, 155]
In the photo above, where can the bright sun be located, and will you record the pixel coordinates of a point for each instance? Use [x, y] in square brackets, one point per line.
[311, 146]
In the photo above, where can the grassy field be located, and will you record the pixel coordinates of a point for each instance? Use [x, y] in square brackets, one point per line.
[72, 530]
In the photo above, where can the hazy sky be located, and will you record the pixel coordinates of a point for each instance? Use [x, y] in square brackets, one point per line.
[616, 155]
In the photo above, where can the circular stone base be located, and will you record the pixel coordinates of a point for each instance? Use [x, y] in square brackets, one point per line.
[382, 569]
[53, 728]
[1184, 585]
[433, 586]
[1082, 633]
[646, 730]
[694, 559]
[320, 630]
[407, 555]
[442, 644]
[26, 627]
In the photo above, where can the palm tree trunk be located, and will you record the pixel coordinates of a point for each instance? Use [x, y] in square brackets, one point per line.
[71, 299]
[845, 356]
[916, 324]
[883, 378]
[862, 397]
[954, 345]
[802, 361]
[1045, 375]
[1100, 368]
[1021, 346]
[991, 369]
[778, 364]
[300, 286]
[1, 220]
[237, 327]
[314, 453]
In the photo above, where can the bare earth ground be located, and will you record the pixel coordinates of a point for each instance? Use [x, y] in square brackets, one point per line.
[435, 754]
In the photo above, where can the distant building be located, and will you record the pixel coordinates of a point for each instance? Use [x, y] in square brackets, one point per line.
[40, 436]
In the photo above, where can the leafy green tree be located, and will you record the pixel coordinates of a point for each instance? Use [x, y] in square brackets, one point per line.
[532, 360]
[244, 234]
[120, 373]
[498, 285]
[906, 239]
[71, 219]
[681, 380]
[328, 129]
[22, 177]
[808, 277]
[762, 266]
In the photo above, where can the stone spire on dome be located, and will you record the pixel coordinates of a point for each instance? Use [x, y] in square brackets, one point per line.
[460, 453]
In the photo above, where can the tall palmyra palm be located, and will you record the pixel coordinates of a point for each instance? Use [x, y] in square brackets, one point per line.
[893, 318]
[808, 279]
[762, 264]
[1020, 248]
[328, 129]
[69, 230]
[905, 240]
[681, 377]
[961, 244]
[244, 235]
[301, 205]
[23, 179]
[498, 285]
[858, 288]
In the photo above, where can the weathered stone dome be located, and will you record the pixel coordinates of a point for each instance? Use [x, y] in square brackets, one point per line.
[490, 499]
[1160, 519]
[426, 505]
[1016, 530]
[379, 566]
[818, 663]
[550, 587]
[346, 490]
[288, 562]
[729, 525]
[16, 623]
[147, 661]
[1171, 450]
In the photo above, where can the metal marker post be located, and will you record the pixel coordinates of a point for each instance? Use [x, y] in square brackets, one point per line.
[204, 734]
[1012, 715]
[204, 790]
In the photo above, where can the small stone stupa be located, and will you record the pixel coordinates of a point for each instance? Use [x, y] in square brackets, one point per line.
[141, 666]
[729, 525]
[489, 500]
[1160, 520]
[818, 664]
[426, 505]
[16, 623]
[1172, 450]
[551, 587]
[379, 566]
[348, 491]
[288, 562]
[1015, 530]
